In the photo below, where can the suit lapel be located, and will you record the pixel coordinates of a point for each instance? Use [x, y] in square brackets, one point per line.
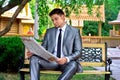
[66, 34]
[54, 37]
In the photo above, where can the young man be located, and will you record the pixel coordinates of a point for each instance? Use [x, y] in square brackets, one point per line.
[62, 41]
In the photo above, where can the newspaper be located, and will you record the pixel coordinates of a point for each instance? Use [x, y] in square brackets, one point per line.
[34, 47]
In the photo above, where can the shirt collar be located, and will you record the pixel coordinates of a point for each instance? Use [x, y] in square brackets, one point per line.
[63, 28]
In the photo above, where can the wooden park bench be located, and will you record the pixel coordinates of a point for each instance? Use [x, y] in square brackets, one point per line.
[93, 55]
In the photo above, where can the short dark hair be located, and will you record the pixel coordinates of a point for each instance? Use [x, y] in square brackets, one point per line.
[56, 11]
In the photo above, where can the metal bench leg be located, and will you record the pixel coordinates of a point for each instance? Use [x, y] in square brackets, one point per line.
[107, 76]
[22, 75]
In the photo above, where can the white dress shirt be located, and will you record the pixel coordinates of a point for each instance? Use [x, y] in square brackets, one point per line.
[58, 31]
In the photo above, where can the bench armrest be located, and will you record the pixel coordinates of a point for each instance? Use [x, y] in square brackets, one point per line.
[109, 62]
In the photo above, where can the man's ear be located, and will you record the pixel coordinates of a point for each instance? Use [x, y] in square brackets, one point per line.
[63, 17]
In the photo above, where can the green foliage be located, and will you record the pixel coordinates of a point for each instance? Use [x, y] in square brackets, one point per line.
[111, 11]
[11, 48]
[90, 27]
[42, 10]
[32, 7]
[74, 5]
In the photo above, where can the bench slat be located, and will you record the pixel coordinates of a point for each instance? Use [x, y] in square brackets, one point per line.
[82, 63]
[59, 72]
[101, 64]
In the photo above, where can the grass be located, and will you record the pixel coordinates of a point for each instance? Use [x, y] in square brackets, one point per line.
[15, 76]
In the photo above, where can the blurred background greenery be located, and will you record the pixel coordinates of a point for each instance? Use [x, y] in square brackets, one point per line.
[11, 48]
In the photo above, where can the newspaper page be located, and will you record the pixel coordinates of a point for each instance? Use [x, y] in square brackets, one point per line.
[34, 47]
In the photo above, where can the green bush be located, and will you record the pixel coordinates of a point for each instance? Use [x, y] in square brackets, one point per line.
[11, 48]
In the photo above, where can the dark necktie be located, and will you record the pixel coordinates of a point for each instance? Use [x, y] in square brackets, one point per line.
[59, 44]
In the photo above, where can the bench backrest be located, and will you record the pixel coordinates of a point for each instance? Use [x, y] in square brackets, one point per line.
[92, 55]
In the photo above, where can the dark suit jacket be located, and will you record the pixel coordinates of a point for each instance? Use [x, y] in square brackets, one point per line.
[72, 43]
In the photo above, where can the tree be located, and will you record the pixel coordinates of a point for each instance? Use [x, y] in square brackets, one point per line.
[11, 4]
[112, 7]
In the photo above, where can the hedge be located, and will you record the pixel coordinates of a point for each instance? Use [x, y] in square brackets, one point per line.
[11, 48]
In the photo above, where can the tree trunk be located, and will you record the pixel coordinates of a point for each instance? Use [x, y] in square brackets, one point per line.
[36, 25]
[8, 27]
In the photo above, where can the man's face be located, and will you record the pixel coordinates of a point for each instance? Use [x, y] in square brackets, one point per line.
[58, 20]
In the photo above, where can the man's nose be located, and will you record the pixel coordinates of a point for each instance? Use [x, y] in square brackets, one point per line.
[54, 22]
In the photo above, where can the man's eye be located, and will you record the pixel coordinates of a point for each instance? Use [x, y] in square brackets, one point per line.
[56, 18]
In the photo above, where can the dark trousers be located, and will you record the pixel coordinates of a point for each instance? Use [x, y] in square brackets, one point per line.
[37, 64]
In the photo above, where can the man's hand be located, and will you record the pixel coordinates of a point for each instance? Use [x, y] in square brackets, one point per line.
[29, 54]
[61, 61]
